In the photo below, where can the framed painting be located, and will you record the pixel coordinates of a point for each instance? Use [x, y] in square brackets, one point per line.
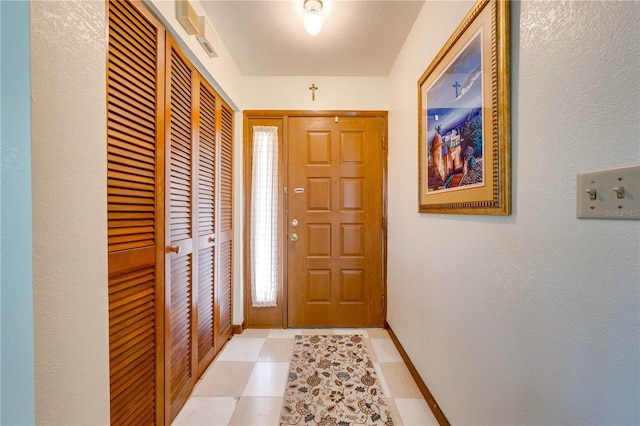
[464, 126]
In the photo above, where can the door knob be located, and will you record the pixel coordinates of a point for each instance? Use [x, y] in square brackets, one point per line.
[175, 249]
[294, 237]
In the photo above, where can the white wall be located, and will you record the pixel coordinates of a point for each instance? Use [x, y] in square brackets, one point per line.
[68, 70]
[334, 93]
[531, 318]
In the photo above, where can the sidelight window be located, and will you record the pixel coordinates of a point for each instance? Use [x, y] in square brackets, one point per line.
[264, 217]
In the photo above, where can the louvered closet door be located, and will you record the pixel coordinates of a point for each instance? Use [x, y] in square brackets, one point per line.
[206, 178]
[135, 167]
[225, 227]
[180, 271]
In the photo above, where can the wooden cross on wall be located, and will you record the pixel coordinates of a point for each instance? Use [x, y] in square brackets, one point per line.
[313, 89]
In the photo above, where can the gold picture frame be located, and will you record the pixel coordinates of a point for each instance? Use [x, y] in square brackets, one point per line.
[464, 123]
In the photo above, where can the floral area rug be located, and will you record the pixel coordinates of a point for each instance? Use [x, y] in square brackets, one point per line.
[332, 382]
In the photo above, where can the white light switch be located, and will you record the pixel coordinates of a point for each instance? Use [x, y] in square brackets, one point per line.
[609, 194]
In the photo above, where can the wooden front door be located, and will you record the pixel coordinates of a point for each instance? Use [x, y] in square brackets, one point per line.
[335, 222]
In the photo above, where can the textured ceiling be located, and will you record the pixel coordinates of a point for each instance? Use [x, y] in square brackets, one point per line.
[267, 38]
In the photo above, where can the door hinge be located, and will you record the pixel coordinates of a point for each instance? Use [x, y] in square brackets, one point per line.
[384, 143]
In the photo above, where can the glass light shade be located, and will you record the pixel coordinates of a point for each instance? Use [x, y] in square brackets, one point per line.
[313, 18]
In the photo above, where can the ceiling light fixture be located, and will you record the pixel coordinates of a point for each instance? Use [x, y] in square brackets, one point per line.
[313, 16]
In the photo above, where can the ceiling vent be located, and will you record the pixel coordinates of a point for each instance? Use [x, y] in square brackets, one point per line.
[187, 16]
[207, 37]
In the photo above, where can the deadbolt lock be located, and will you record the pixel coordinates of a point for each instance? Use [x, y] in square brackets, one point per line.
[294, 222]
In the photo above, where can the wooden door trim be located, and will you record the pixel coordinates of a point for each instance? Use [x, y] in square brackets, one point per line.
[284, 115]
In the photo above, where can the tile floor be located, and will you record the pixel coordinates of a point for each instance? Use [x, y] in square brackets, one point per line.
[245, 383]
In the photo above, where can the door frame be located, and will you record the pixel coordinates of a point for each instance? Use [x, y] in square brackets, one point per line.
[277, 317]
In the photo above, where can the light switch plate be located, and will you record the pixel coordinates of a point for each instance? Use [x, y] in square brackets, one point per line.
[609, 194]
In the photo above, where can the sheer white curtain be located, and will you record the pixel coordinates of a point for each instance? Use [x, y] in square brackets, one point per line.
[264, 217]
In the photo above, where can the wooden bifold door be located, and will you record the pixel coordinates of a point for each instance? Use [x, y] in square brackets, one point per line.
[198, 200]
[170, 143]
[135, 215]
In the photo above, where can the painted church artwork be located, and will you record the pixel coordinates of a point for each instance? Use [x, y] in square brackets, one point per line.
[454, 123]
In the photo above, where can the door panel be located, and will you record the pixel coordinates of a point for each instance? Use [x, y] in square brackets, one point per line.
[180, 358]
[135, 172]
[200, 227]
[224, 282]
[335, 194]
[206, 119]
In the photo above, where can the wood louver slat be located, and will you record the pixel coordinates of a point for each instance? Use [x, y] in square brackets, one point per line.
[135, 219]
